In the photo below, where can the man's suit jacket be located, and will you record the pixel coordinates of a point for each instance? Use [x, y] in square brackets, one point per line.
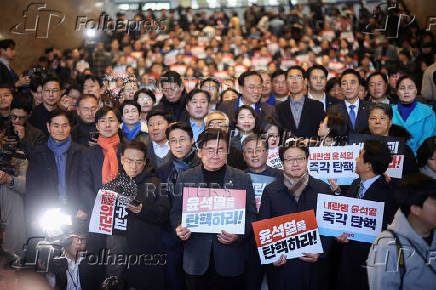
[231, 107]
[7, 76]
[311, 115]
[229, 259]
[361, 118]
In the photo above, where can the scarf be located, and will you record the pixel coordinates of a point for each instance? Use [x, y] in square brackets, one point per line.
[296, 186]
[406, 110]
[59, 149]
[110, 163]
[131, 134]
[428, 171]
[182, 165]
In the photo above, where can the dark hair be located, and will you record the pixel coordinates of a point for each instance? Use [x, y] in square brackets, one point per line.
[101, 113]
[51, 79]
[413, 79]
[331, 83]
[21, 102]
[277, 73]
[130, 103]
[158, 112]
[246, 74]
[179, 125]
[84, 97]
[228, 90]
[147, 92]
[338, 126]
[92, 78]
[171, 77]
[217, 83]
[377, 153]
[296, 67]
[253, 112]
[414, 190]
[384, 107]
[363, 83]
[134, 144]
[425, 151]
[378, 73]
[34, 84]
[7, 43]
[7, 86]
[73, 87]
[195, 92]
[350, 72]
[293, 144]
[256, 137]
[211, 134]
[58, 112]
[318, 67]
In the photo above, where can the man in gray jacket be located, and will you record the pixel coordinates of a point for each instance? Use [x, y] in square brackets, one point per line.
[404, 256]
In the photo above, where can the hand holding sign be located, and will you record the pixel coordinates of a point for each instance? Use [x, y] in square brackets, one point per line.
[183, 233]
[310, 258]
[226, 238]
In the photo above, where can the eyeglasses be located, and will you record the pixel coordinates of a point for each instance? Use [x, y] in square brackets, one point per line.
[213, 151]
[79, 239]
[217, 125]
[297, 159]
[297, 78]
[145, 99]
[257, 151]
[15, 117]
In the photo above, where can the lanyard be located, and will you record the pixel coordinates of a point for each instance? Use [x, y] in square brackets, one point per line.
[77, 278]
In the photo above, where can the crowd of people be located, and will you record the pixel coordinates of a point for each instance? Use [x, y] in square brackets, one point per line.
[210, 99]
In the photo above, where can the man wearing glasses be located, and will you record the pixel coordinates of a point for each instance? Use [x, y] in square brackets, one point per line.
[213, 261]
[51, 94]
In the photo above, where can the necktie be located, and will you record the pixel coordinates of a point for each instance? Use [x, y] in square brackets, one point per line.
[361, 192]
[352, 115]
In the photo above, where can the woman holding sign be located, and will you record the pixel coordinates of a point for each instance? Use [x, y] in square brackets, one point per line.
[296, 191]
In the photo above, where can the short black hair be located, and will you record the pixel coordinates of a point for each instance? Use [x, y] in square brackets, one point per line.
[331, 83]
[257, 124]
[410, 77]
[134, 144]
[350, 72]
[58, 112]
[425, 151]
[35, 83]
[209, 79]
[377, 73]
[171, 77]
[101, 113]
[130, 103]
[147, 92]
[51, 79]
[414, 189]
[159, 112]
[296, 67]
[318, 67]
[7, 86]
[92, 78]
[337, 124]
[277, 73]
[377, 153]
[293, 144]
[384, 107]
[211, 134]
[179, 125]
[246, 74]
[84, 97]
[7, 43]
[195, 92]
[21, 102]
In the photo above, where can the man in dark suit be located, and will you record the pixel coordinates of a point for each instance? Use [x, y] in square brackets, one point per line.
[317, 78]
[299, 114]
[250, 88]
[213, 261]
[378, 89]
[7, 74]
[371, 185]
[354, 110]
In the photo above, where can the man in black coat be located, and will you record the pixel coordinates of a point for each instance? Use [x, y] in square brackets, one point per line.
[371, 185]
[174, 96]
[296, 191]
[7, 74]
[250, 87]
[213, 261]
[84, 132]
[355, 111]
[299, 114]
[52, 175]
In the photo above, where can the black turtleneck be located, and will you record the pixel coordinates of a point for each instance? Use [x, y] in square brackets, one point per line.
[216, 177]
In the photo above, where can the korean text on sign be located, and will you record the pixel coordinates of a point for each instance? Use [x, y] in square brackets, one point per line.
[291, 235]
[211, 210]
[333, 161]
[101, 220]
[360, 219]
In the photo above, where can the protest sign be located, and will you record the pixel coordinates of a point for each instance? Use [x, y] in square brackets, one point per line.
[211, 210]
[292, 235]
[396, 146]
[259, 184]
[334, 162]
[360, 219]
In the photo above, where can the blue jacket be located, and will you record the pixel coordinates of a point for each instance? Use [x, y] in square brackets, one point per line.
[421, 124]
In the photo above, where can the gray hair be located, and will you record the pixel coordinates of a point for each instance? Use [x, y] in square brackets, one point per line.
[255, 137]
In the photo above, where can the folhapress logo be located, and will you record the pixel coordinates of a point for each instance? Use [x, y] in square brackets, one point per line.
[37, 20]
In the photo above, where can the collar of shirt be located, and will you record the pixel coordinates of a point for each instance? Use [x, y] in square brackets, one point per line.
[323, 100]
[242, 103]
[5, 62]
[356, 104]
[300, 102]
[194, 124]
[367, 183]
[73, 275]
[161, 150]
